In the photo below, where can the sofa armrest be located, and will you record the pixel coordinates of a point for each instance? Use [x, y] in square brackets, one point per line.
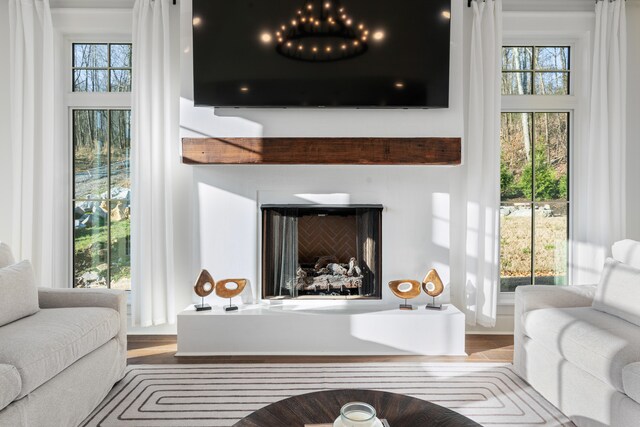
[530, 298]
[108, 298]
[64, 298]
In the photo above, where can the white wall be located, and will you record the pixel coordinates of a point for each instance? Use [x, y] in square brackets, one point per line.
[5, 138]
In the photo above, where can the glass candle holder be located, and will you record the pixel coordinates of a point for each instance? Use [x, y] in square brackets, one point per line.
[358, 414]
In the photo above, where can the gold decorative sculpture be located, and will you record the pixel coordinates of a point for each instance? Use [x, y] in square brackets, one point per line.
[432, 285]
[230, 288]
[405, 289]
[203, 287]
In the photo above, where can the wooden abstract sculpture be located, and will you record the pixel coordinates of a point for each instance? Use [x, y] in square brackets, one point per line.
[406, 289]
[432, 285]
[203, 287]
[230, 288]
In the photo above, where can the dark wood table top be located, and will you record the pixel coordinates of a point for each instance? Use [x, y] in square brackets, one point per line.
[324, 407]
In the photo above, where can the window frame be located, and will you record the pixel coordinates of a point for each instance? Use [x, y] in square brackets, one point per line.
[578, 42]
[84, 101]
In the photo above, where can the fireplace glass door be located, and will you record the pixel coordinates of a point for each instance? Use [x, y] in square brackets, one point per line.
[331, 252]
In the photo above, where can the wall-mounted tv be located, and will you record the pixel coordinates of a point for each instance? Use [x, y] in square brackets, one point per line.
[321, 53]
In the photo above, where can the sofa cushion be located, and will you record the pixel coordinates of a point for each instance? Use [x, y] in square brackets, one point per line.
[595, 342]
[18, 292]
[627, 251]
[618, 292]
[10, 384]
[631, 380]
[42, 345]
[6, 257]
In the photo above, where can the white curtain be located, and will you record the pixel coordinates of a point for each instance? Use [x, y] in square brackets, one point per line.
[152, 164]
[38, 203]
[482, 158]
[600, 193]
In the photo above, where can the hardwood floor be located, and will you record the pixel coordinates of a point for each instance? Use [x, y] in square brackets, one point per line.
[160, 349]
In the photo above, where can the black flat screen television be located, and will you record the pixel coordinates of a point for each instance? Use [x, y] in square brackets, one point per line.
[321, 53]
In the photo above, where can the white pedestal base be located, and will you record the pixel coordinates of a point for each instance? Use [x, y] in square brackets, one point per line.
[296, 330]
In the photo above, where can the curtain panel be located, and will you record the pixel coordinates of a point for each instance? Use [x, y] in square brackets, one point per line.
[39, 202]
[600, 218]
[152, 166]
[482, 167]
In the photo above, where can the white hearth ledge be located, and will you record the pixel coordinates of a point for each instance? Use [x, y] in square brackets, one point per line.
[340, 330]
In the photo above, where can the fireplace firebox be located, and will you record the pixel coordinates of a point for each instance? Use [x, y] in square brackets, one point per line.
[321, 251]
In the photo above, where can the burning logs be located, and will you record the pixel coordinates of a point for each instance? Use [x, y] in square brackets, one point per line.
[328, 275]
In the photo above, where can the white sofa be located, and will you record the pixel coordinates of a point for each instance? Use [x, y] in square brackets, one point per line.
[57, 364]
[584, 360]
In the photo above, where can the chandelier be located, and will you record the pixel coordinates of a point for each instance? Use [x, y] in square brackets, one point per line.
[322, 31]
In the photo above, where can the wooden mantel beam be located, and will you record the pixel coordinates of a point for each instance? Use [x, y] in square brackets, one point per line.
[322, 151]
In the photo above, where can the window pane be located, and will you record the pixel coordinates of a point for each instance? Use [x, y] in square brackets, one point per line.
[90, 80]
[515, 245]
[516, 165]
[552, 58]
[551, 168]
[90, 244]
[120, 245]
[551, 244]
[517, 58]
[120, 55]
[90, 56]
[549, 83]
[90, 156]
[120, 81]
[517, 83]
[120, 133]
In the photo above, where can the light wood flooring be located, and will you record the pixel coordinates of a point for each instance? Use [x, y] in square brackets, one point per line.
[160, 349]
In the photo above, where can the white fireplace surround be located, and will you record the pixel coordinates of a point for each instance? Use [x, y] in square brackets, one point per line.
[395, 262]
[301, 327]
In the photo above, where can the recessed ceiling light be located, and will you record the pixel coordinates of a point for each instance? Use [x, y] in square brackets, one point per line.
[446, 14]
[378, 35]
[197, 21]
[399, 85]
[244, 89]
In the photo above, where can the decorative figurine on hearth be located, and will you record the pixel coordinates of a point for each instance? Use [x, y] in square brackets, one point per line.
[405, 289]
[230, 288]
[432, 285]
[203, 288]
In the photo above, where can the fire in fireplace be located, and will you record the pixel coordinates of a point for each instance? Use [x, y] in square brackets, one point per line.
[321, 251]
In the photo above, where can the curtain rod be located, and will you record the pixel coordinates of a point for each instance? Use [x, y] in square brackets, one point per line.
[470, 1]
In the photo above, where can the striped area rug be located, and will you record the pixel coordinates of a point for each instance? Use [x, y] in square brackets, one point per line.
[219, 395]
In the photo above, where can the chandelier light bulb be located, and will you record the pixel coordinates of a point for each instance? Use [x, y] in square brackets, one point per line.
[378, 35]
[197, 21]
[446, 14]
[265, 37]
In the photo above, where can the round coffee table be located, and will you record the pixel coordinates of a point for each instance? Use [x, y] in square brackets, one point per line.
[323, 407]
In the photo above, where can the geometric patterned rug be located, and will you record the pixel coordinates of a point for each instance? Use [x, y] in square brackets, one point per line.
[220, 395]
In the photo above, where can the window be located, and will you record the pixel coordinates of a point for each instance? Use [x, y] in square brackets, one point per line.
[101, 139]
[534, 70]
[101, 67]
[534, 169]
